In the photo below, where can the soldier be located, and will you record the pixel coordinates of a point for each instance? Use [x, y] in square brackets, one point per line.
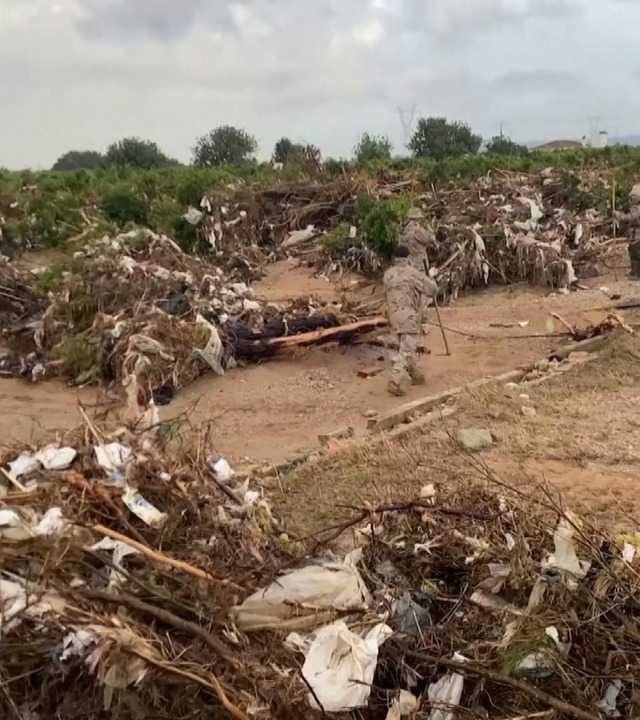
[406, 290]
[632, 221]
[416, 238]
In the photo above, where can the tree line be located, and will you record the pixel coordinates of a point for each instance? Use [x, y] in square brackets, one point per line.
[434, 138]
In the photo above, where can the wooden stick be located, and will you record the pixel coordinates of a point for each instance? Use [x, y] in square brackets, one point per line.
[541, 714]
[98, 438]
[560, 319]
[615, 223]
[211, 684]
[435, 304]
[475, 669]
[13, 481]
[444, 334]
[164, 559]
[166, 617]
[76, 479]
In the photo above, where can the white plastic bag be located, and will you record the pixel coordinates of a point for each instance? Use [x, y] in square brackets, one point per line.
[609, 702]
[223, 470]
[112, 457]
[52, 523]
[120, 551]
[445, 694]
[340, 666]
[23, 465]
[53, 457]
[565, 556]
[212, 352]
[403, 706]
[335, 586]
[142, 508]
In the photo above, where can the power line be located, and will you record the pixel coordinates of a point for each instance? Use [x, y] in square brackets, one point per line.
[407, 116]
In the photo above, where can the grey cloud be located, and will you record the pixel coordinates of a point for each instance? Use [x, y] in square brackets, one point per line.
[317, 20]
[124, 19]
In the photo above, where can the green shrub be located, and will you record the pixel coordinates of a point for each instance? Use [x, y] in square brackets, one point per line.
[378, 221]
[122, 206]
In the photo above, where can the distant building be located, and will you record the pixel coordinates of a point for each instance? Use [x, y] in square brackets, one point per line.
[560, 145]
[601, 140]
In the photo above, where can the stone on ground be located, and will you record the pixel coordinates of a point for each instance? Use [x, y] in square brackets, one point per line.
[474, 439]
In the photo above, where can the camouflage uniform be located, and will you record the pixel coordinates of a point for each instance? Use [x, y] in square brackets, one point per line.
[416, 239]
[406, 291]
[632, 221]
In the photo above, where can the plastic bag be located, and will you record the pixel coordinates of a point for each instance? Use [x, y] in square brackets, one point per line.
[53, 457]
[565, 556]
[340, 666]
[403, 706]
[445, 694]
[112, 457]
[336, 586]
[142, 508]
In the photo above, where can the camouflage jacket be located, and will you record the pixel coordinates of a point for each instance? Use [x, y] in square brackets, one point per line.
[406, 290]
[632, 222]
[417, 240]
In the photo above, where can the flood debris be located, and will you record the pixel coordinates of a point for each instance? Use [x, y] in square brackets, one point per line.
[128, 597]
[136, 308]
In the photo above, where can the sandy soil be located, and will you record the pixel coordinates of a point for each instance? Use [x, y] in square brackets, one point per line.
[269, 411]
[581, 450]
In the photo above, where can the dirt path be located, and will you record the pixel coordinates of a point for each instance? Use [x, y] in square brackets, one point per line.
[269, 411]
[580, 450]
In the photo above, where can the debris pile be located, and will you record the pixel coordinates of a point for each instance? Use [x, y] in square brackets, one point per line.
[119, 567]
[166, 582]
[17, 299]
[550, 228]
[514, 228]
[138, 305]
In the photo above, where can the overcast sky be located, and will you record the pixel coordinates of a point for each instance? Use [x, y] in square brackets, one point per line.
[78, 74]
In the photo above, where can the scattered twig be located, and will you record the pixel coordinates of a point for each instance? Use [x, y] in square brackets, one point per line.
[166, 617]
[164, 559]
[471, 668]
[212, 683]
[13, 481]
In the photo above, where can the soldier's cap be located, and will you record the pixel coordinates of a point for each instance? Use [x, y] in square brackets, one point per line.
[635, 192]
[414, 213]
[400, 252]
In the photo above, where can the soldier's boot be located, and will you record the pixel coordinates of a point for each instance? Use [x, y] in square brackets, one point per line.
[399, 382]
[418, 378]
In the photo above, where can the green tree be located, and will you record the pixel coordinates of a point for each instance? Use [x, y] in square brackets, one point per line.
[372, 147]
[79, 160]
[501, 145]
[286, 151]
[438, 139]
[226, 145]
[135, 152]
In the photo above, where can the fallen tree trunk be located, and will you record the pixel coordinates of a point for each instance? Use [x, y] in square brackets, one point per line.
[344, 334]
[254, 350]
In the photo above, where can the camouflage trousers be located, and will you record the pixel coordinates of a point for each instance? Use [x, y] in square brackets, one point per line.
[634, 256]
[404, 367]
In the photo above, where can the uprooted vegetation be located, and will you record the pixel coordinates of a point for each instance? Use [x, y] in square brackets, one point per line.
[138, 300]
[133, 583]
[133, 564]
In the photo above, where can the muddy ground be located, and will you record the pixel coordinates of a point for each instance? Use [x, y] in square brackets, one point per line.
[581, 451]
[269, 411]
